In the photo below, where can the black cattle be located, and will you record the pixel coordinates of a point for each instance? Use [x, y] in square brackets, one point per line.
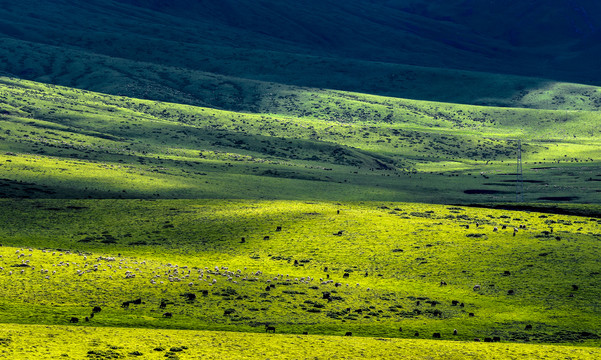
[436, 336]
[305, 333]
[189, 296]
[167, 315]
[345, 276]
[125, 304]
[91, 315]
[454, 303]
[270, 329]
[574, 287]
[528, 327]
[137, 301]
[455, 332]
[497, 338]
[87, 319]
[416, 334]
[74, 320]
[279, 228]
[163, 304]
[266, 237]
[348, 333]
[487, 339]
[96, 309]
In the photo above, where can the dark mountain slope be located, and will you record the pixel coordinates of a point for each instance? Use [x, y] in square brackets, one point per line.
[166, 50]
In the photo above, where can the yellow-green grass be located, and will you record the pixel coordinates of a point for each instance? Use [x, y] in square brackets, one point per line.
[54, 342]
[396, 255]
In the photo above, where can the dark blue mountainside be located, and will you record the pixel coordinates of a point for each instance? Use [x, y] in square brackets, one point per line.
[370, 46]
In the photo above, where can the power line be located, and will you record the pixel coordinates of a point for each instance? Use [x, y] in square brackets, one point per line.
[519, 183]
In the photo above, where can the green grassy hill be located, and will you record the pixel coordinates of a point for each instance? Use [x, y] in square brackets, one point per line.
[202, 172]
[316, 144]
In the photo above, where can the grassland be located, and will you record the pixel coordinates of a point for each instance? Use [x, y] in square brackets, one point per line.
[319, 144]
[45, 342]
[61, 258]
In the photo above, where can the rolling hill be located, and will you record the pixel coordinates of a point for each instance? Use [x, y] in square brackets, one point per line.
[167, 50]
[278, 179]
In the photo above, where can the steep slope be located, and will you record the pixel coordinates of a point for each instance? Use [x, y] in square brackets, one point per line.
[155, 49]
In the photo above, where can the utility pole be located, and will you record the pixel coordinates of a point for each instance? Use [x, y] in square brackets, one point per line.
[519, 183]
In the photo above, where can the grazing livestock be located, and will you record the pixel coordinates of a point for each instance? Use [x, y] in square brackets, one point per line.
[510, 292]
[167, 315]
[270, 329]
[74, 320]
[471, 315]
[495, 229]
[305, 333]
[87, 319]
[96, 309]
[125, 304]
[163, 304]
[477, 339]
[348, 333]
[503, 227]
[345, 276]
[455, 332]
[496, 339]
[279, 228]
[443, 283]
[476, 287]
[243, 240]
[266, 237]
[436, 335]
[454, 303]
[190, 297]
[487, 339]
[574, 287]
[416, 334]
[528, 327]
[91, 315]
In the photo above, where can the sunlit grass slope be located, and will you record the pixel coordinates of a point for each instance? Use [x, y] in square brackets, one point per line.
[373, 269]
[54, 342]
[315, 144]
